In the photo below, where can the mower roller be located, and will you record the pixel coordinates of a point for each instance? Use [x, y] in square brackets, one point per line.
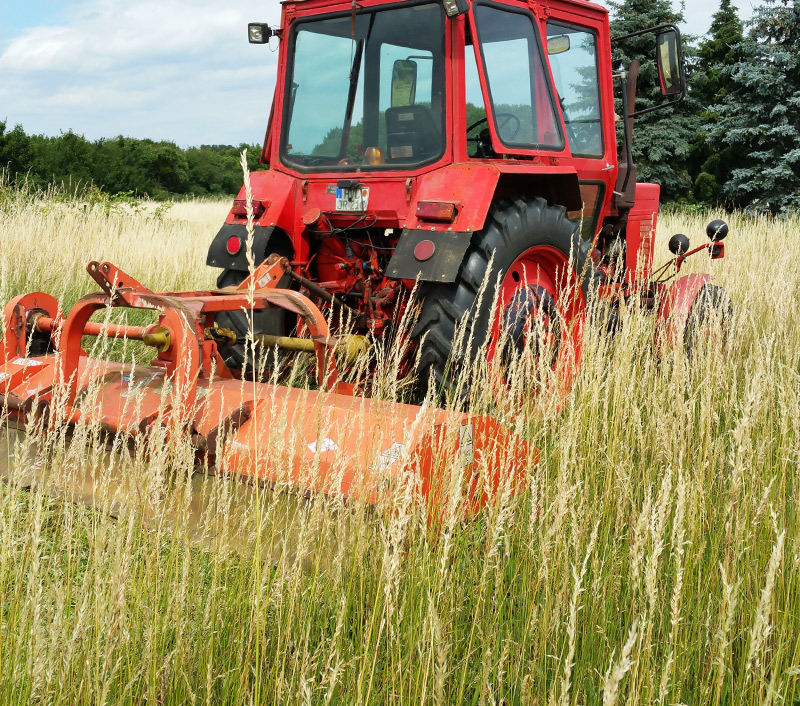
[327, 440]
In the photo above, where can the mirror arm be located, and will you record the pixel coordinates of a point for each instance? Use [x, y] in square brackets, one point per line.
[649, 30]
[629, 102]
[658, 107]
[655, 30]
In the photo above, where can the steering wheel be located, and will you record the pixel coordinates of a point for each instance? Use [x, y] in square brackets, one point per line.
[502, 119]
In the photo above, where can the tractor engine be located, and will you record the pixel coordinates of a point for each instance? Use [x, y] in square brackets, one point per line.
[350, 264]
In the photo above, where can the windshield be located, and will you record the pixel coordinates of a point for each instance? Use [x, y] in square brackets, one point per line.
[367, 94]
[520, 94]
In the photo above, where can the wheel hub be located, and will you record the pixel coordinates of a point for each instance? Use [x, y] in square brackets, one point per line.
[532, 312]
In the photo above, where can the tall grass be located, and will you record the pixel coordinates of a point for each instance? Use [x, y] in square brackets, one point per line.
[654, 556]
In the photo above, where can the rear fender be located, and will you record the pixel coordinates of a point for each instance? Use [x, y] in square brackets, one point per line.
[276, 191]
[472, 188]
[218, 255]
[673, 314]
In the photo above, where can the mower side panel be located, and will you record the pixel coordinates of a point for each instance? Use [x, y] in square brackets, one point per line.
[673, 314]
[15, 336]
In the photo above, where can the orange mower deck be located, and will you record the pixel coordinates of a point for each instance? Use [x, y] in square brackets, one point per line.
[318, 441]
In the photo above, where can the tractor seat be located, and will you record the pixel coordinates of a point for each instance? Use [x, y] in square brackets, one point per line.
[412, 134]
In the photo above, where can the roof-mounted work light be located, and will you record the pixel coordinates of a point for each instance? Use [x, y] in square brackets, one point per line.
[454, 8]
[258, 33]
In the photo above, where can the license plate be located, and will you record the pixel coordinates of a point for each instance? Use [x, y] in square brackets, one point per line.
[353, 198]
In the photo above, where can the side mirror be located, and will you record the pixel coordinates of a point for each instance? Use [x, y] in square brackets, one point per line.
[669, 59]
[558, 44]
[404, 82]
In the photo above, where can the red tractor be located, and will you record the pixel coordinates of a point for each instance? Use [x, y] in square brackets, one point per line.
[452, 142]
[447, 142]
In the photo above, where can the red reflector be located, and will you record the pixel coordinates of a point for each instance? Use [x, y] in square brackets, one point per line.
[440, 211]
[240, 208]
[311, 217]
[424, 250]
[233, 245]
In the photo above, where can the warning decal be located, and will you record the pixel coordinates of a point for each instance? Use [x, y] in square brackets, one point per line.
[387, 459]
[321, 447]
[465, 444]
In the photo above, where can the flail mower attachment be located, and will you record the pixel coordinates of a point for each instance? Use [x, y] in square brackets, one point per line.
[327, 440]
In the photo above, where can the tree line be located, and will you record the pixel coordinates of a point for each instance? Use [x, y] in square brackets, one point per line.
[733, 142]
[159, 170]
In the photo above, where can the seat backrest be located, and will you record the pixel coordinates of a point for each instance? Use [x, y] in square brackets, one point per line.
[412, 134]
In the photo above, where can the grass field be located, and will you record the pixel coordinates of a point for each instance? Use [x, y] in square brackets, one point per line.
[653, 559]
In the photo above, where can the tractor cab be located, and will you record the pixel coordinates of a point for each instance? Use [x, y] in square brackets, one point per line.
[401, 86]
[369, 91]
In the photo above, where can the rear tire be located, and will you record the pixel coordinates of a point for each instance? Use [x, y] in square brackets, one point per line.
[517, 230]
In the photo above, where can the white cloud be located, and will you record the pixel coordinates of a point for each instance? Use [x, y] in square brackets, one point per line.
[164, 69]
[105, 34]
[36, 50]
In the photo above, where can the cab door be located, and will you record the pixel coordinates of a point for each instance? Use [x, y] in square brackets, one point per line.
[580, 63]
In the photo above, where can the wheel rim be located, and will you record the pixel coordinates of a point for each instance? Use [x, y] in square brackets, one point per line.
[539, 295]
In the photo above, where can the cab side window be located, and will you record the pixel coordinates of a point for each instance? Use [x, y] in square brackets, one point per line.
[572, 52]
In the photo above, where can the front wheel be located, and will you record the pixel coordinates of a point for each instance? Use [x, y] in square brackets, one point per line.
[709, 322]
[537, 272]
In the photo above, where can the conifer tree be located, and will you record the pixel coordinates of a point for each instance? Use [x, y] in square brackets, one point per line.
[759, 117]
[721, 50]
[661, 139]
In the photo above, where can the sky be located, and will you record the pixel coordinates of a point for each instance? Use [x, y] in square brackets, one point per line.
[176, 70]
